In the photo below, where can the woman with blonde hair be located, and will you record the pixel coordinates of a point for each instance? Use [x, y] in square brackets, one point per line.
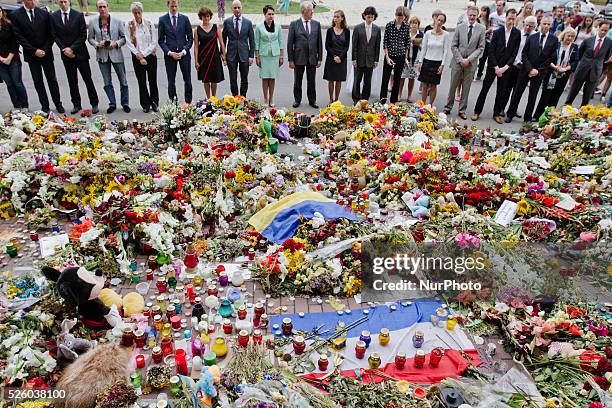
[585, 29]
[410, 72]
[525, 12]
[562, 66]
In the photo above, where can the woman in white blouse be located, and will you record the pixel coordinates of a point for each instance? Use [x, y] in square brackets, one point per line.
[431, 59]
[142, 41]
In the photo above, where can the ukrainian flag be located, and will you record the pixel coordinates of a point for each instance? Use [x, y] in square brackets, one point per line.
[279, 221]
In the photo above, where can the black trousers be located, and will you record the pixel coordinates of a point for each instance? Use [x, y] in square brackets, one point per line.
[550, 97]
[534, 86]
[360, 92]
[72, 66]
[587, 93]
[499, 95]
[298, 76]
[509, 85]
[397, 76]
[171, 67]
[483, 60]
[232, 67]
[37, 67]
[148, 96]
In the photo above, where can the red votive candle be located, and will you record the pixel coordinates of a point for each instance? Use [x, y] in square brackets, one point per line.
[140, 361]
[181, 362]
[176, 322]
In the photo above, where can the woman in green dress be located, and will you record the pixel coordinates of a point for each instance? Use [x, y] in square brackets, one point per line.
[269, 53]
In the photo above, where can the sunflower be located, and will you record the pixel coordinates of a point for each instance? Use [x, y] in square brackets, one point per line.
[229, 102]
[524, 208]
[369, 118]
[214, 100]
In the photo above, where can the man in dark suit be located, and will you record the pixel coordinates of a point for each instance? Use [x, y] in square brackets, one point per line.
[539, 51]
[239, 38]
[175, 37]
[70, 33]
[593, 53]
[33, 31]
[366, 53]
[503, 48]
[305, 52]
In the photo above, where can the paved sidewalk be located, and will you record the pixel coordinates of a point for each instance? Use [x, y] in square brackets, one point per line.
[352, 9]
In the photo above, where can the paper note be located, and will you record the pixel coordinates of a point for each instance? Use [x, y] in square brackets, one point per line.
[506, 213]
[48, 244]
[540, 161]
[584, 169]
[567, 202]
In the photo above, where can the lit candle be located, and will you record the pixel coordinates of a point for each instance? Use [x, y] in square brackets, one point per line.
[140, 361]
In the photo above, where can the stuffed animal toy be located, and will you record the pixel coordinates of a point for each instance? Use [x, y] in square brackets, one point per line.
[69, 346]
[92, 373]
[81, 288]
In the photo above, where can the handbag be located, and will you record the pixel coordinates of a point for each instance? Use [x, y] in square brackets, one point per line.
[303, 130]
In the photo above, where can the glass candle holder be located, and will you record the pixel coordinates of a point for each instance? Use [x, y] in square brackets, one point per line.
[360, 349]
[228, 328]
[226, 309]
[451, 322]
[259, 310]
[136, 379]
[158, 355]
[419, 359]
[180, 357]
[243, 338]
[435, 356]
[127, 338]
[175, 321]
[191, 258]
[323, 363]
[140, 338]
[223, 279]
[219, 347]
[299, 345]
[140, 361]
[287, 326]
[210, 358]
[162, 285]
[158, 324]
[418, 339]
[11, 251]
[365, 337]
[384, 337]
[167, 346]
[212, 290]
[400, 360]
[175, 385]
[242, 312]
[162, 259]
[257, 336]
[374, 361]
[34, 236]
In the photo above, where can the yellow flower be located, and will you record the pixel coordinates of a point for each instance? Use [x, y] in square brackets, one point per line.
[610, 269]
[369, 118]
[214, 100]
[229, 102]
[524, 208]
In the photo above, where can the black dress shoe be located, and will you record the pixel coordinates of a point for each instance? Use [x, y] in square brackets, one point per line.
[146, 110]
[126, 109]
[60, 109]
[518, 116]
[154, 108]
[46, 110]
[111, 109]
[314, 105]
[74, 110]
[503, 114]
[508, 119]
[95, 109]
[296, 104]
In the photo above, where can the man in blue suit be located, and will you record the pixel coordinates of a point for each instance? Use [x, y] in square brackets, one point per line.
[239, 39]
[175, 39]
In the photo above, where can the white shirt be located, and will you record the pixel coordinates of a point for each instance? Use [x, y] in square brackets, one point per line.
[172, 25]
[65, 14]
[497, 20]
[435, 47]
[307, 26]
[146, 38]
[519, 55]
[508, 32]
[368, 30]
[239, 22]
[28, 12]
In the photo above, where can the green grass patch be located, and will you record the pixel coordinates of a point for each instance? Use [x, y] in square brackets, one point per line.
[192, 6]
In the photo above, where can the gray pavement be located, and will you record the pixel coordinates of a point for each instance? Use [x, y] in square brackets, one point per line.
[283, 94]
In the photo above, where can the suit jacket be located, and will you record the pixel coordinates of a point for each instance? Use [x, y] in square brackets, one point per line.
[304, 48]
[472, 50]
[589, 63]
[175, 41]
[239, 46]
[117, 34]
[364, 52]
[33, 35]
[533, 58]
[501, 54]
[72, 35]
[269, 45]
[572, 61]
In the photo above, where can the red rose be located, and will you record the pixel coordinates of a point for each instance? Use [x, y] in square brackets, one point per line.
[273, 111]
[454, 150]
[596, 405]
[48, 168]
[186, 149]
[229, 174]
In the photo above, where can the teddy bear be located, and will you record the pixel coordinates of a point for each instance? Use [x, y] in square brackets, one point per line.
[71, 347]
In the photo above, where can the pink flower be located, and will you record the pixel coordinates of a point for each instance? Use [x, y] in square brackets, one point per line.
[454, 150]
[587, 236]
[601, 331]
[596, 405]
[465, 240]
[406, 156]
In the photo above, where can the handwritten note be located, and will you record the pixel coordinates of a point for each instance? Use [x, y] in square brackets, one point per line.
[506, 213]
[48, 244]
[584, 169]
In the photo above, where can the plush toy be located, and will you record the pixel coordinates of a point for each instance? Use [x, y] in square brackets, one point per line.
[81, 288]
[356, 171]
[270, 143]
[69, 346]
[133, 303]
[202, 393]
[92, 373]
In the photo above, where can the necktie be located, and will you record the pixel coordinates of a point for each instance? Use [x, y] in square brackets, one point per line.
[542, 38]
[32, 15]
[308, 27]
[174, 23]
[368, 33]
[470, 34]
[597, 47]
[65, 18]
[236, 24]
